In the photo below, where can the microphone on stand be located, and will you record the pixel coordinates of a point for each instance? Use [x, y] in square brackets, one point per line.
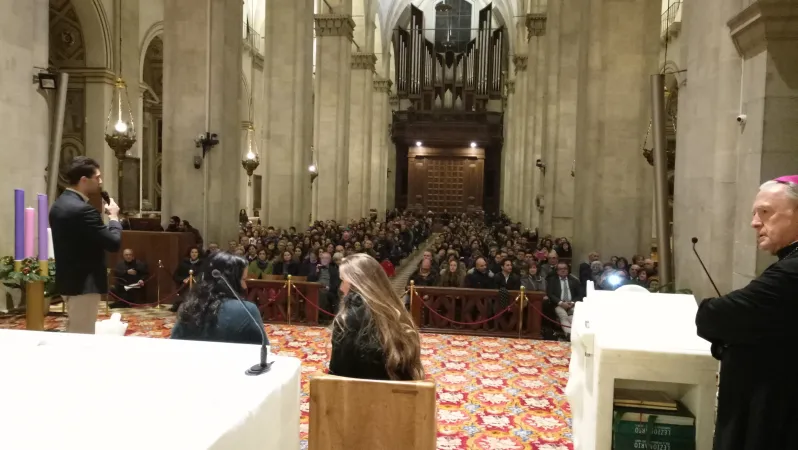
[264, 365]
[695, 241]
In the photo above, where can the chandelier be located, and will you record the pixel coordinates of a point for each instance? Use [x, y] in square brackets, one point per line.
[251, 159]
[120, 131]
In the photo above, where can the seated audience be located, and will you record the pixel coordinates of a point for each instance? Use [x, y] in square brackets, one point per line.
[454, 275]
[533, 280]
[260, 266]
[563, 292]
[326, 273]
[286, 266]
[211, 311]
[190, 265]
[506, 279]
[479, 277]
[373, 336]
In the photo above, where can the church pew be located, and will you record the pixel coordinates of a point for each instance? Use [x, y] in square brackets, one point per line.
[354, 414]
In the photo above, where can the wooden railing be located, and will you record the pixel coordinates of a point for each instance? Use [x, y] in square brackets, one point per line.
[484, 312]
[278, 304]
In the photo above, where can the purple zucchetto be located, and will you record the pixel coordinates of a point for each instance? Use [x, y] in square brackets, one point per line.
[787, 179]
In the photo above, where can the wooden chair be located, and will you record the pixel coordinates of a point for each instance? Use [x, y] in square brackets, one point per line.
[354, 414]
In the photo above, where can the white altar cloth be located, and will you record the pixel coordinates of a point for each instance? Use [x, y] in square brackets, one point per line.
[89, 392]
[639, 341]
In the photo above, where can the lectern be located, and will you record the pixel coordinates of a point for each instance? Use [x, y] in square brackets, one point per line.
[638, 341]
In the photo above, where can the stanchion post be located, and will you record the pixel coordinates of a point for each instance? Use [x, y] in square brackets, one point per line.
[288, 297]
[107, 298]
[412, 294]
[158, 285]
[522, 300]
[190, 279]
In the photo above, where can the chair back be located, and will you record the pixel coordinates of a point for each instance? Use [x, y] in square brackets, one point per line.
[355, 414]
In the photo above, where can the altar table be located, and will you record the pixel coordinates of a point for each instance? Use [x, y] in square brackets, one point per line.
[101, 392]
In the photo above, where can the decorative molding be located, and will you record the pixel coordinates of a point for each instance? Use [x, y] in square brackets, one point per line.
[510, 86]
[535, 25]
[364, 61]
[762, 22]
[520, 62]
[382, 85]
[90, 75]
[334, 25]
[393, 100]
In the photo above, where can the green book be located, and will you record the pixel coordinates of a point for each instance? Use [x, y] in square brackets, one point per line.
[644, 428]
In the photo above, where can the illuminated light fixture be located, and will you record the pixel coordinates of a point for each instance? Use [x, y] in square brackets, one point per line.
[418, 143]
[473, 145]
[251, 160]
[47, 81]
[312, 169]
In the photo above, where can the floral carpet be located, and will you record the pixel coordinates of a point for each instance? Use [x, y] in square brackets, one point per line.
[493, 393]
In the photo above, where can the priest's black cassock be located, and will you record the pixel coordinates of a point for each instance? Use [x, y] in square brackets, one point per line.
[753, 334]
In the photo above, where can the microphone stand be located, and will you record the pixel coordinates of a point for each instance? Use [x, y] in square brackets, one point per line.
[264, 365]
[695, 241]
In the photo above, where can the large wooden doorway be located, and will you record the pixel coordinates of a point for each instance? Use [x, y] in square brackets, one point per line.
[445, 179]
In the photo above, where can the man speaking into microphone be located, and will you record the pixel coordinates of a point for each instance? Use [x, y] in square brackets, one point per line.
[751, 331]
[80, 240]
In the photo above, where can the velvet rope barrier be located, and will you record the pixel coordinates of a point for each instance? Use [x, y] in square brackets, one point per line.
[313, 304]
[479, 322]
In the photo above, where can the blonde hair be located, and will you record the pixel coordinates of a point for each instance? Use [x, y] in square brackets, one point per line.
[391, 325]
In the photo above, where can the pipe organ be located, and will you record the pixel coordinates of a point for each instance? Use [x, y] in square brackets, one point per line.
[460, 79]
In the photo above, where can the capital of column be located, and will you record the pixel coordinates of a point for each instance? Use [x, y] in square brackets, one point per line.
[393, 100]
[520, 62]
[91, 75]
[762, 22]
[510, 86]
[382, 85]
[334, 25]
[535, 25]
[364, 61]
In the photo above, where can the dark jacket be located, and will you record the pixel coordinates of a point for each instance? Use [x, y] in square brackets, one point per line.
[335, 278]
[122, 278]
[752, 334]
[478, 280]
[80, 240]
[185, 266]
[233, 324]
[512, 283]
[292, 269]
[554, 289]
[355, 355]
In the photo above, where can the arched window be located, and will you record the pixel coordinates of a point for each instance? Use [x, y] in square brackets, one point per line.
[452, 24]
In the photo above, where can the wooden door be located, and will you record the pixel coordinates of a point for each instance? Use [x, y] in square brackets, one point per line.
[445, 179]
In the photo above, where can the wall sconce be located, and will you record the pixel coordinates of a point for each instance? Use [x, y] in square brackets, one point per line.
[541, 165]
[540, 203]
[312, 168]
[206, 142]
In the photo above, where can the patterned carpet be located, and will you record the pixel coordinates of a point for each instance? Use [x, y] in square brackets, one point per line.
[493, 394]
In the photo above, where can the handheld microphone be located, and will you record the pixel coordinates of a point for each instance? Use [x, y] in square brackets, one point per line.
[106, 197]
[264, 365]
[695, 241]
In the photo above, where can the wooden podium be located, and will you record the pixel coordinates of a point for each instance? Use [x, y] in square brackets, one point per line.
[150, 247]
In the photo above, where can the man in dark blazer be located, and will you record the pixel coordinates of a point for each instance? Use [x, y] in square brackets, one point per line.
[563, 291]
[80, 240]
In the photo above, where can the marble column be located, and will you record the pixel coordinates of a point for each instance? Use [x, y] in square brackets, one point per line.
[99, 88]
[508, 149]
[288, 106]
[379, 143]
[332, 113]
[519, 200]
[535, 117]
[202, 81]
[360, 134]
[766, 36]
[390, 201]
[24, 32]
[562, 47]
[613, 186]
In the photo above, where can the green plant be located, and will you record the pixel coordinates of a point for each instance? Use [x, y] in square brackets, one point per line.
[29, 272]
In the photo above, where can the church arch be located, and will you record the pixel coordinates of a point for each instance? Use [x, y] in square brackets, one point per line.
[96, 31]
[152, 119]
[155, 31]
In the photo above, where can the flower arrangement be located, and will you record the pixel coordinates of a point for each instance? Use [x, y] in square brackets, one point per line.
[28, 272]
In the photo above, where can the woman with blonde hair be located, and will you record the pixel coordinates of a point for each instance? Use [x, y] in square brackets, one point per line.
[373, 335]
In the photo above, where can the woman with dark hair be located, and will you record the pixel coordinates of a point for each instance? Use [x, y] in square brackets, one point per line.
[260, 266]
[286, 265]
[211, 311]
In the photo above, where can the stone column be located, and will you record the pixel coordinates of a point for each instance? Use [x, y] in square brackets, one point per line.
[519, 198]
[24, 32]
[535, 116]
[508, 149]
[130, 64]
[379, 143]
[613, 187]
[99, 86]
[562, 47]
[332, 112]
[288, 107]
[766, 36]
[390, 201]
[202, 80]
[360, 139]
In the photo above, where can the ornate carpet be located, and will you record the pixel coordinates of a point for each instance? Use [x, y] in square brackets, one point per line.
[493, 394]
